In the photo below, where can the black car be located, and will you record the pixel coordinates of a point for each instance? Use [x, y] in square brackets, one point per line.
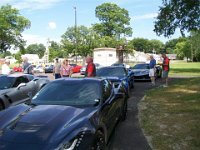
[49, 69]
[22, 93]
[70, 113]
[141, 71]
[8, 82]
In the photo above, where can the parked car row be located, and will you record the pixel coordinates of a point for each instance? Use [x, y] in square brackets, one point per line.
[67, 113]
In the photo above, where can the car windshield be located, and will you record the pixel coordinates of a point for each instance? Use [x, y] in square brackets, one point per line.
[110, 72]
[141, 66]
[70, 93]
[6, 82]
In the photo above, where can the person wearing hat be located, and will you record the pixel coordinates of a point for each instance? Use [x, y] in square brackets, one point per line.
[56, 69]
[5, 68]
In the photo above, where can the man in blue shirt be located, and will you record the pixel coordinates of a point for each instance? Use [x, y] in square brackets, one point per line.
[152, 70]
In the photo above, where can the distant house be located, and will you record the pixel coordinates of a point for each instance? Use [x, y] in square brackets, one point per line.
[32, 58]
[105, 56]
[172, 56]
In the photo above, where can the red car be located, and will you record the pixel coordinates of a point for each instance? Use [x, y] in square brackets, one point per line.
[76, 68]
[18, 69]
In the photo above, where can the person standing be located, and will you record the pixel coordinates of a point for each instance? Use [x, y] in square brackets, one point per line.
[152, 71]
[56, 69]
[5, 68]
[165, 66]
[27, 67]
[65, 69]
[91, 68]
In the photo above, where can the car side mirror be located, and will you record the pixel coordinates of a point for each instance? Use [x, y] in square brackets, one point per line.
[21, 85]
[97, 101]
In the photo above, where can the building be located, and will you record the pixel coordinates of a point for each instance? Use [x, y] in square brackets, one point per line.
[32, 58]
[105, 56]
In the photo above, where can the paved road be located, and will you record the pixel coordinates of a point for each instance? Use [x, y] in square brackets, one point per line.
[128, 134]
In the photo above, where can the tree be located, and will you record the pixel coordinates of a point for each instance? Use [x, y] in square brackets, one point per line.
[12, 24]
[80, 42]
[156, 46]
[36, 49]
[140, 44]
[114, 20]
[55, 50]
[182, 14]
[171, 44]
[195, 46]
[182, 49]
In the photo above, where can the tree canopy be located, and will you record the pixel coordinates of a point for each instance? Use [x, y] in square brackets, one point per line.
[182, 14]
[79, 42]
[114, 20]
[36, 49]
[12, 24]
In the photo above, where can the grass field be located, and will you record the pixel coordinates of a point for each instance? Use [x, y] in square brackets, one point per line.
[182, 68]
[170, 117]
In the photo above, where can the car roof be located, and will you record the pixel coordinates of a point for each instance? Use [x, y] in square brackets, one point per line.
[112, 67]
[17, 75]
[95, 79]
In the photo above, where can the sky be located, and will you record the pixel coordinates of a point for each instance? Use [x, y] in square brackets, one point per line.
[51, 18]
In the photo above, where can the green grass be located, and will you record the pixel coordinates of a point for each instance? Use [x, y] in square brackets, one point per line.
[181, 68]
[170, 116]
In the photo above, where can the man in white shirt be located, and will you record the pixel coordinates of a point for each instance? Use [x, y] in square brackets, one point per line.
[5, 69]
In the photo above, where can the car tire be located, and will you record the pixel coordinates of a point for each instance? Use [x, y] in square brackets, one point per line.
[124, 111]
[99, 142]
[132, 85]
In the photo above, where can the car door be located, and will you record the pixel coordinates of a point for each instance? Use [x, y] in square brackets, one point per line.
[110, 106]
[21, 93]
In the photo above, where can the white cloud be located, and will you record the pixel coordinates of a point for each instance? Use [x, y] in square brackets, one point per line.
[145, 16]
[32, 4]
[52, 25]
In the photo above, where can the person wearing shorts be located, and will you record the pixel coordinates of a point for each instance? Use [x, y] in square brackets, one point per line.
[165, 66]
[152, 66]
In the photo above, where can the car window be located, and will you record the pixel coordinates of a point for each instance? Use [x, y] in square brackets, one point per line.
[6, 82]
[20, 80]
[141, 66]
[68, 93]
[107, 89]
[108, 72]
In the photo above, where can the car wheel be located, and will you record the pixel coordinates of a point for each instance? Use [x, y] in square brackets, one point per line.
[99, 143]
[124, 111]
[132, 85]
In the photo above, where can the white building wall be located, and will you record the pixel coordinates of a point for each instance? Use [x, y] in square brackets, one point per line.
[105, 56]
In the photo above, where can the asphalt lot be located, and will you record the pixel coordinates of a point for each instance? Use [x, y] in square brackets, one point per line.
[128, 135]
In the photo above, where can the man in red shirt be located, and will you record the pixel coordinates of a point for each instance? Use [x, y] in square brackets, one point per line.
[165, 66]
[91, 68]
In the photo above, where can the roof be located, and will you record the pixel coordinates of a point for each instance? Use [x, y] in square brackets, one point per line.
[105, 49]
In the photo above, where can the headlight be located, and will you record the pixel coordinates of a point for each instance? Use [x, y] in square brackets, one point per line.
[124, 82]
[68, 145]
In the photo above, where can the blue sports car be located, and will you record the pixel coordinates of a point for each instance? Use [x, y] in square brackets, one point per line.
[117, 74]
[66, 114]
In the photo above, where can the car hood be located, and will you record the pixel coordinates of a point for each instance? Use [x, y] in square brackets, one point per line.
[40, 124]
[5, 91]
[140, 71]
[115, 79]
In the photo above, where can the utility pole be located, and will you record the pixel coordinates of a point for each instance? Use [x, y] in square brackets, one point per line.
[75, 27]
